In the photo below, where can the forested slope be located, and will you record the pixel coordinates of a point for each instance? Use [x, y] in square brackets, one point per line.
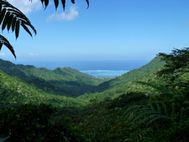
[127, 83]
[15, 91]
[61, 81]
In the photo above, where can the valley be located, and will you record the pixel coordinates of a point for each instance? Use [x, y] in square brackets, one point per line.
[94, 71]
[67, 83]
[64, 104]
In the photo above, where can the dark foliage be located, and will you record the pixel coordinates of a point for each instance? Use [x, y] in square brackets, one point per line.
[177, 61]
[131, 117]
[28, 123]
[176, 69]
[129, 99]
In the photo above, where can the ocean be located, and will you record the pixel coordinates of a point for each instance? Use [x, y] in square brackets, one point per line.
[105, 73]
[110, 67]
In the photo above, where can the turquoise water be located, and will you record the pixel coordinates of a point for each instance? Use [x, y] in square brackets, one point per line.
[105, 73]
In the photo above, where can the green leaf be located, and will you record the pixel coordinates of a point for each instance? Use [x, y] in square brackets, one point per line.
[17, 29]
[73, 1]
[87, 3]
[9, 22]
[1, 44]
[13, 23]
[26, 29]
[56, 2]
[4, 41]
[46, 2]
[5, 21]
[64, 4]
[2, 13]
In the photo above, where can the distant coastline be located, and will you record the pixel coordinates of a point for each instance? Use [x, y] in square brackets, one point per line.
[105, 73]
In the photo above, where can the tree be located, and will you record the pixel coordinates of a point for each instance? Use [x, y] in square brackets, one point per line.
[176, 69]
[12, 19]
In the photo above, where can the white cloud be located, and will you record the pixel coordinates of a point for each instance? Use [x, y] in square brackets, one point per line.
[32, 54]
[70, 15]
[26, 6]
[2, 53]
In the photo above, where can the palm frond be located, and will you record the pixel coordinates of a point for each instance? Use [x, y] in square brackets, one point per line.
[4, 41]
[13, 18]
[57, 3]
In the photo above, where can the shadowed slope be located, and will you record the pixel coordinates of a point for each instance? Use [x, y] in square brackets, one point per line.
[61, 81]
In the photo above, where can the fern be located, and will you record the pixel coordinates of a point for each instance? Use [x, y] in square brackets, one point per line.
[157, 112]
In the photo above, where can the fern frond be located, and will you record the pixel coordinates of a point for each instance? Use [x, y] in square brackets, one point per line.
[146, 114]
[156, 112]
[160, 87]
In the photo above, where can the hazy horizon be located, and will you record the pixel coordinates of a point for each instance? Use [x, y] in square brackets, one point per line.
[86, 65]
[119, 30]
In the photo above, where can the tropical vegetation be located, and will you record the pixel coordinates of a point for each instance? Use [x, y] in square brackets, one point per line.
[148, 104]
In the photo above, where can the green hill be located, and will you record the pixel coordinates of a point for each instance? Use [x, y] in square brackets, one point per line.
[142, 114]
[136, 74]
[61, 81]
[70, 82]
[15, 91]
[126, 83]
[126, 109]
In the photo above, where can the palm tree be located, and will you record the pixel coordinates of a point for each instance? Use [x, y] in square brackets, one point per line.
[12, 19]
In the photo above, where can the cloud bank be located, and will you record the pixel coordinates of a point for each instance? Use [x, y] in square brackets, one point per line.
[70, 15]
[26, 6]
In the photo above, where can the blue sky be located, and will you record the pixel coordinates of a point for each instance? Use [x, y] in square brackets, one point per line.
[116, 30]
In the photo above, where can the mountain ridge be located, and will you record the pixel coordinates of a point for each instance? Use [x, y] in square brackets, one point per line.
[60, 81]
[15, 91]
[127, 82]
[67, 80]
